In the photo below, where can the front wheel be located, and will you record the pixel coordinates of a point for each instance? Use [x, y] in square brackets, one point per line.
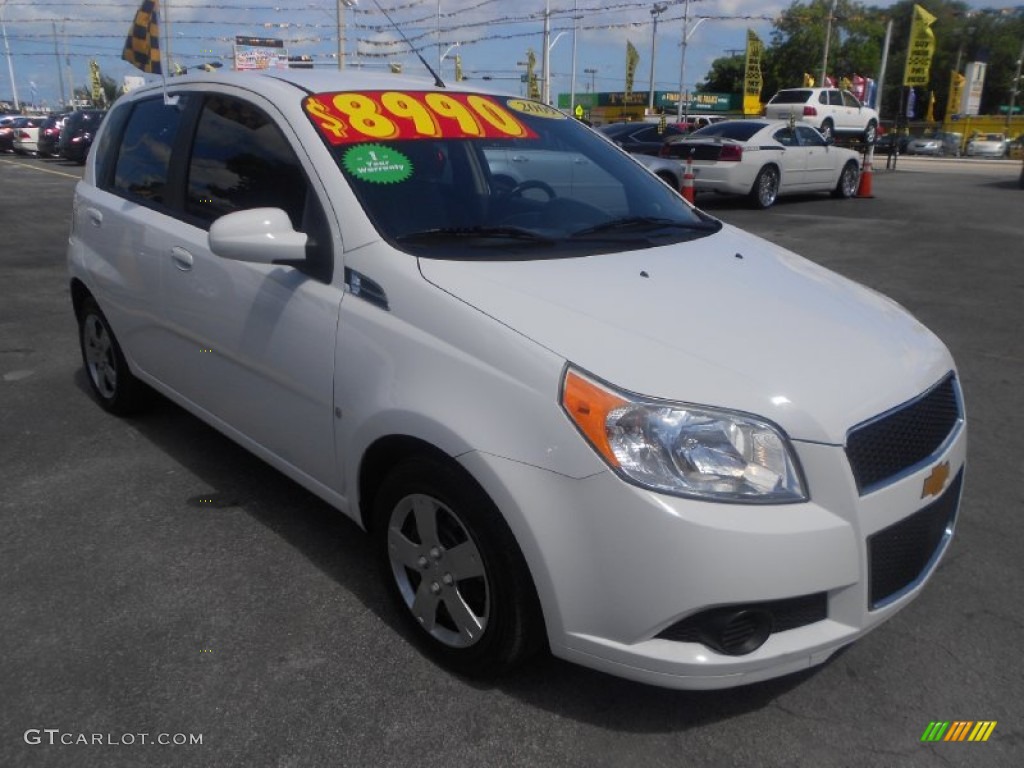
[870, 133]
[455, 569]
[849, 179]
[766, 187]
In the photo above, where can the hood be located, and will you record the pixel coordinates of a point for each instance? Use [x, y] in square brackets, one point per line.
[728, 320]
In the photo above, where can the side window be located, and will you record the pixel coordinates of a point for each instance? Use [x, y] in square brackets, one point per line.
[850, 100]
[142, 164]
[808, 137]
[835, 99]
[106, 147]
[785, 137]
[240, 159]
[823, 97]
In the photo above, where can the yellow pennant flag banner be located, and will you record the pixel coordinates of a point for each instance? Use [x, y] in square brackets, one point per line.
[632, 58]
[956, 92]
[752, 75]
[96, 84]
[921, 48]
[142, 47]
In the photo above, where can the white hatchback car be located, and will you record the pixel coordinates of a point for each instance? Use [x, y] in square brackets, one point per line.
[591, 417]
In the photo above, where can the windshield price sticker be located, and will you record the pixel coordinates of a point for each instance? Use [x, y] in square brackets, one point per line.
[350, 117]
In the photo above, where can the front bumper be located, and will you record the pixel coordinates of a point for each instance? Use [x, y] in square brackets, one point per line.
[615, 565]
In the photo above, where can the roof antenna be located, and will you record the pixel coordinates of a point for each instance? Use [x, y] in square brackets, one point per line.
[437, 80]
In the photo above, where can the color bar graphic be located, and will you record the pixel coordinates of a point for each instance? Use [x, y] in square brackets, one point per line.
[958, 730]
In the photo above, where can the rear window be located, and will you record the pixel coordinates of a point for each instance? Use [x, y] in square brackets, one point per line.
[796, 96]
[730, 129]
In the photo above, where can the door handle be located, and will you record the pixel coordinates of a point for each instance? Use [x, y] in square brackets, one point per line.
[182, 259]
[520, 159]
[95, 216]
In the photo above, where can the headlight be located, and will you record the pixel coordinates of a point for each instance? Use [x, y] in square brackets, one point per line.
[682, 449]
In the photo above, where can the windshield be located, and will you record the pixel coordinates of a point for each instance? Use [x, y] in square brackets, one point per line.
[471, 176]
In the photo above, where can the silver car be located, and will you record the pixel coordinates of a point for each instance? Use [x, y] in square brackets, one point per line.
[988, 145]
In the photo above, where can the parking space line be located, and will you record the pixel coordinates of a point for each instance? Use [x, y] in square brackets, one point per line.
[41, 170]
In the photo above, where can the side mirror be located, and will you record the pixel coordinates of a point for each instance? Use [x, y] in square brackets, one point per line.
[257, 235]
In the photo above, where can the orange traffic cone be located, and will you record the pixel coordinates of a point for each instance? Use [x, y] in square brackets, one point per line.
[687, 189]
[864, 188]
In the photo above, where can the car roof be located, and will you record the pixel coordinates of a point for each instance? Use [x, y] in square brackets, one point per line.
[281, 83]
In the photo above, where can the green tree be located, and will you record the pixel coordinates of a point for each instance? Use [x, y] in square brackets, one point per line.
[110, 89]
[798, 43]
[725, 75]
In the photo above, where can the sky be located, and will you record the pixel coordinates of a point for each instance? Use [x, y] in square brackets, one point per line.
[51, 42]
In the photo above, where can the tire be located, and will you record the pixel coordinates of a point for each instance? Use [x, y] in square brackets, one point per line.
[455, 570]
[766, 187]
[870, 133]
[112, 383]
[849, 179]
[828, 129]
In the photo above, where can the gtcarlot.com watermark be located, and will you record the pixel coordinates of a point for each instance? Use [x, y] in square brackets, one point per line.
[55, 737]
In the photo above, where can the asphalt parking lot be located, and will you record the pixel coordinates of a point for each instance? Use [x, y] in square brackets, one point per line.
[158, 583]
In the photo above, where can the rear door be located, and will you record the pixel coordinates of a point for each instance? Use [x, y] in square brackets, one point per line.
[820, 171]
[793, 160]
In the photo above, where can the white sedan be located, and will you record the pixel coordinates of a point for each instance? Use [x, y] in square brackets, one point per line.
[761, 159]
[988, 145]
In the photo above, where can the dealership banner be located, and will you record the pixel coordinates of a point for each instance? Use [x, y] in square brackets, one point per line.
[920, 49]
[752, 80]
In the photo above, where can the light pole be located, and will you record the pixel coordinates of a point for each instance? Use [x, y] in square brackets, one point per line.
[572, 82]
[1014, 87]
[342, 5]
[656, 11]
[444, 56]
[10, 64]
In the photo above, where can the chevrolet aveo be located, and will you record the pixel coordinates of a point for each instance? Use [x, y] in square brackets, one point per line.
[571, 410]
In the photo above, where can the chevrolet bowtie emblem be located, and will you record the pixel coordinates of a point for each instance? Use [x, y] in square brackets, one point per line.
[936, 481]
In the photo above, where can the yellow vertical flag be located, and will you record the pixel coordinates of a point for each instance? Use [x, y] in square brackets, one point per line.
[752, 79]
[956, 89]
[920, 49]
[632, 58]
[142, 46]
[532, 86]
[809, 80]
[96, 84]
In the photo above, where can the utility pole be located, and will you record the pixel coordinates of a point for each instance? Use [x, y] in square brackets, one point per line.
[60, 72]
[656, 11]
[683, 109]
[592, 72]
[545, 66]
[1014, 87]
[343, 30]
[828, 40]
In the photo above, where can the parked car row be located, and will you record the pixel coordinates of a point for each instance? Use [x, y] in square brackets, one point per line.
[67, 135]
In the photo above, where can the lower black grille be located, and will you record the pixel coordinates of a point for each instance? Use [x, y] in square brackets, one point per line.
[904, 437]
[901, 554]
[785, 614]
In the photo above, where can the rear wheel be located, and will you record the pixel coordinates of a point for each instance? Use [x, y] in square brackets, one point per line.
[455, 569]
[766, 187]
[849, 179]
[110, 379]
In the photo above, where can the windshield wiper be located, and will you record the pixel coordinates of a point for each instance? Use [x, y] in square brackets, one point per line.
[645, 223]
[442, 233]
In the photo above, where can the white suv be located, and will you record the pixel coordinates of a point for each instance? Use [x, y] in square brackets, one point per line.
[585, 416]
[832, 111]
